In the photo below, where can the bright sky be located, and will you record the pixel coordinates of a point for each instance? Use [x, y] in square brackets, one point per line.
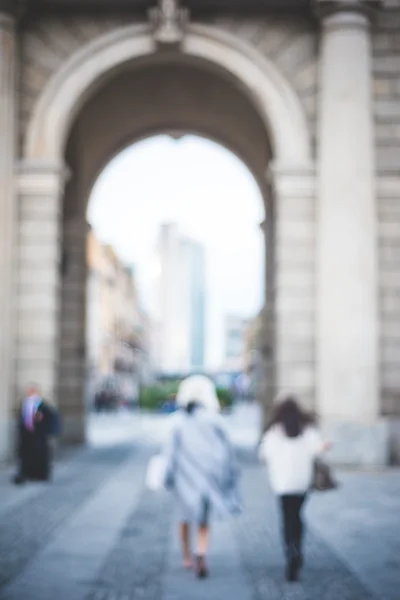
[213, 198]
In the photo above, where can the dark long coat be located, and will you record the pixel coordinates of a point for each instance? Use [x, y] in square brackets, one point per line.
[33, 446]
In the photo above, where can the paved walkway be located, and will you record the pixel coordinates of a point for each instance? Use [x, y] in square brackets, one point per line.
[96, 533]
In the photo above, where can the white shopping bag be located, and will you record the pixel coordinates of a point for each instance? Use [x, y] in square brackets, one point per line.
[156, 473]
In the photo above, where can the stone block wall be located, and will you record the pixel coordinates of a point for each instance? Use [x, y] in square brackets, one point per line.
[295, 271]
[37, 310]
[291, 43]
[386, 72]
[44, 45]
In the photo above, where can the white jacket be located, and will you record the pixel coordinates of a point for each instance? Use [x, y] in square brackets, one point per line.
[290, 460]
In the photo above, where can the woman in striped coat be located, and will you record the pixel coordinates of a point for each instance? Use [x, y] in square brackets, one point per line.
[201, 467]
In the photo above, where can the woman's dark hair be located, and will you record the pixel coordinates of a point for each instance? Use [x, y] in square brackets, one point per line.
[191, 407]
[290, 415]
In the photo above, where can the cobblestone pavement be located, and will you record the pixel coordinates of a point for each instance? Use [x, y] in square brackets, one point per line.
[136, 564]
[96, 533]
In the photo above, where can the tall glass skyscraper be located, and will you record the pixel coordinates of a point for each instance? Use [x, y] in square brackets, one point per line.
[181, 300]
[196, 287]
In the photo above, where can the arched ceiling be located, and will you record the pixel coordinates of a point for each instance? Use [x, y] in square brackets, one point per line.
[162, 95]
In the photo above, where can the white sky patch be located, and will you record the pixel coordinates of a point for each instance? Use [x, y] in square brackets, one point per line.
[211, 195]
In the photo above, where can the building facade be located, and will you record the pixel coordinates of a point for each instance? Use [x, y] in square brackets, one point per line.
[116, 346]
[236, 331]
[194, 275]
[180, 292]
[305, 92]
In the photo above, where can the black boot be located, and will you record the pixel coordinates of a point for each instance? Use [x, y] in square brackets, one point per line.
[201, 567]
[299, 559]
[294, 562]
[299, 552]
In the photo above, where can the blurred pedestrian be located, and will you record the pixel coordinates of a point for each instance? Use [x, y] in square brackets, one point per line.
[201, 468]
[37, 421]
[100, 400]
[290, 447]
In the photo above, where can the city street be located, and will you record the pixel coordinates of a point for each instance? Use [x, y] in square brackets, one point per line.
[96, 532]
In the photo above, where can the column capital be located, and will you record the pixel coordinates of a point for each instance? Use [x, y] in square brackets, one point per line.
[345, 14]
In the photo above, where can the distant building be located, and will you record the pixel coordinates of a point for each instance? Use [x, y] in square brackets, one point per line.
[255, 366]
[181, 303]
[194, 275]
[236, 333]
[116, 328]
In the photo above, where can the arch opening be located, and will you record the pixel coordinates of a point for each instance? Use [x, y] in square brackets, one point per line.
[172, 97]
[205, 201]
[168, 95]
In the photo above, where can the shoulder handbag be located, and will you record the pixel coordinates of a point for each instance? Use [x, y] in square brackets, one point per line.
[323, 480]
[159, 474]
[156, 474]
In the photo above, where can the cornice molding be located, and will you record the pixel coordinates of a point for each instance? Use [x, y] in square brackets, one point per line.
[354, 12]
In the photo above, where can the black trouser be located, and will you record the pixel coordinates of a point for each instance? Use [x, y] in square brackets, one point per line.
[291, 505]
[34, 456]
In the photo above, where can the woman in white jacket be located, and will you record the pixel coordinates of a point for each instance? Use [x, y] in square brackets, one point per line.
[290, 447]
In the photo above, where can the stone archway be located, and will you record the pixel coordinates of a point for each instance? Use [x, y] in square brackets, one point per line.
[52, 135]
[69, 87]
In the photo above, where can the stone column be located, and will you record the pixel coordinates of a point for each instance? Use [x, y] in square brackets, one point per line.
[347, 342]
[7, 220]
[266, 388]
[39, 276]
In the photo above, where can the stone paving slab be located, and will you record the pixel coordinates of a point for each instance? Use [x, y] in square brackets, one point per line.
[365, 528]
[28, 526]
[246, 558]
[327, 575]
[98, 534]
[67, 565]
[12, 496]
[227, 575]
[135, 566]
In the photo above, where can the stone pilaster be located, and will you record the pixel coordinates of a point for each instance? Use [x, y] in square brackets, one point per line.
[7, 222]
[39, 276]
[72, 368]
[347, 340]
[294, 301]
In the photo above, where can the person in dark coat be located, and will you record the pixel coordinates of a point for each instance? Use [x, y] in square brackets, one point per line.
[36, 423]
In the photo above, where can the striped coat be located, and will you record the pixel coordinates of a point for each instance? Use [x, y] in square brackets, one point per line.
[201, 466]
